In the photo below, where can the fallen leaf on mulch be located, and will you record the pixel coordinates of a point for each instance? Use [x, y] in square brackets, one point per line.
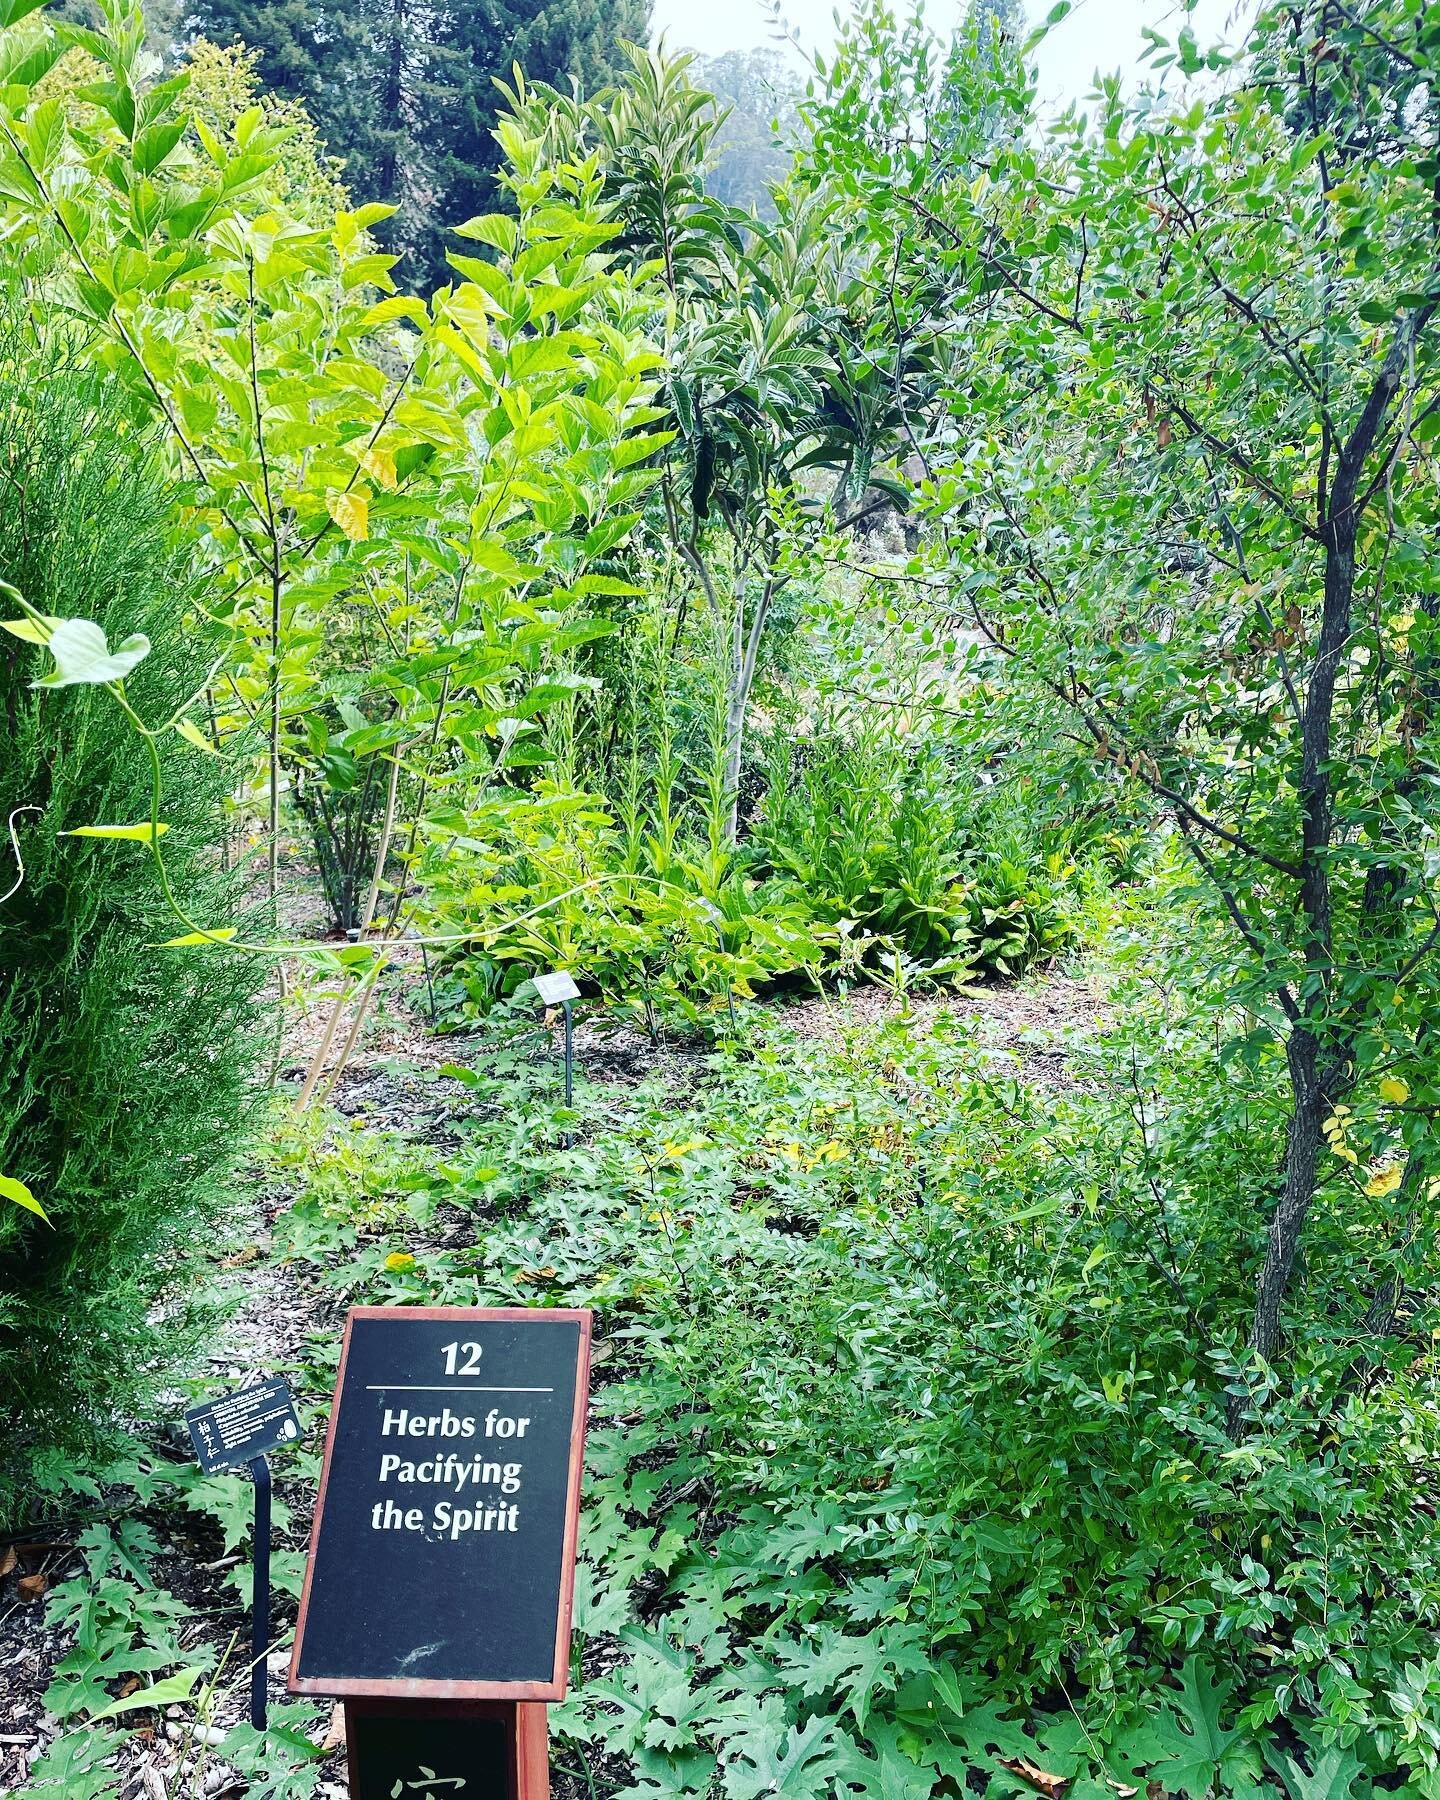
[8, 1560]
[32, 1587]
[1054, 1785]
[334, 1738]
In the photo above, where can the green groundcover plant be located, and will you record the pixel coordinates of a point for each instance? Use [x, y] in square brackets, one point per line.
[910, 1462]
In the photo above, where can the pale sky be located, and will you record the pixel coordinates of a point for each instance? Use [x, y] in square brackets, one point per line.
[1103, 34]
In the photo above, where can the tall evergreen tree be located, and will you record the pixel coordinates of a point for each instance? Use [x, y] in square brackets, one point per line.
[404, 90]
[564, 43]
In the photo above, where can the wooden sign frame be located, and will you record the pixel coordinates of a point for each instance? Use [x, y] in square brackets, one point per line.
[418, 1687]
[527, 1755]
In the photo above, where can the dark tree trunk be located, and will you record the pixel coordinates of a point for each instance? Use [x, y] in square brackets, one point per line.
[1303, 1144]
[1310, 1050]
[1318, 1047]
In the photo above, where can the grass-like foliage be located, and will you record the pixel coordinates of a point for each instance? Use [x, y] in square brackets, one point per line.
[122, 1066]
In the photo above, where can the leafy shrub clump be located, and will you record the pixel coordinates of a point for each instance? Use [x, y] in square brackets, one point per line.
[911, 1460]
[896, 840]
[123, 1084]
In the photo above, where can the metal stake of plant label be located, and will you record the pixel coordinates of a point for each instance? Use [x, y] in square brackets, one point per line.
[260, 1593]
[568, 1006]
[713, 914]
[559, 989]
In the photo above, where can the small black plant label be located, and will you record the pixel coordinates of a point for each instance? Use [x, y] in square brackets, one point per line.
[442, 1559]
[238, 1427]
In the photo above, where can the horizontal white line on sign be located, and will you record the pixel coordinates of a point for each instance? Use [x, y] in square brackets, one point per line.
[447, 1387]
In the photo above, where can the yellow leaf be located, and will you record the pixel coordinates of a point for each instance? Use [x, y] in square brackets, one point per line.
[1346, 1154]
[139, 834]
[1384, 1183]
[192, 734]
[379, 465]
[1392, 1088]
[351, 512]
[400, 1262]
[29, 631]
[222, 934]
[11, 1189]
[673, 1152]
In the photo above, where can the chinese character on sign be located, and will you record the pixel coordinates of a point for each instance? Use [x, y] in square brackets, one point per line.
[430, 1782]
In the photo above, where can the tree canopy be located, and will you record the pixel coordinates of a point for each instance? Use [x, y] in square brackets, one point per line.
[404, 94]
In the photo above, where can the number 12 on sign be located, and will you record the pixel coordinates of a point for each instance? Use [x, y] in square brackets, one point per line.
[462, 1359]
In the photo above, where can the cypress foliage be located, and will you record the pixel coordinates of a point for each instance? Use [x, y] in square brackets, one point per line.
[123, 1068]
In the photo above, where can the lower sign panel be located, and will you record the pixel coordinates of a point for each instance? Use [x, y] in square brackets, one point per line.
[442, 1558]
[420, 1758]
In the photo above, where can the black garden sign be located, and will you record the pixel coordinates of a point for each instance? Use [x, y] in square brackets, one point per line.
[443, 1551]
[238, 1427]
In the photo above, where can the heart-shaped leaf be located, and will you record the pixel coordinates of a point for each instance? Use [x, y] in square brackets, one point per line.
[82, 656]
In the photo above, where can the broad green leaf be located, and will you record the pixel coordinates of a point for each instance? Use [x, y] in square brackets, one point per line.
[498, 230]
[1038, 1211]
[156, 142]
[1335, 1775]
[1195, 1748]
[45, 134]
[172, 1690]
[398, 306]
[800, 1762]
[222, 934]
[373, 212]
